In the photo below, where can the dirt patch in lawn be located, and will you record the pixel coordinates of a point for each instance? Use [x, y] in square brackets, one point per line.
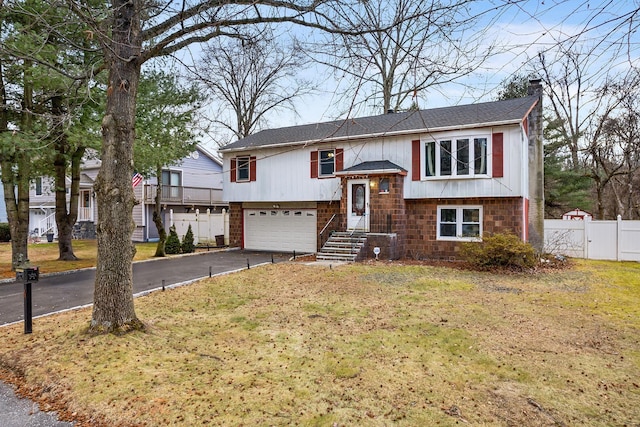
[363, 344]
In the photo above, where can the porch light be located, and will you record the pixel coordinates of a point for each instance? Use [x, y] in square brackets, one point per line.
[372, 184]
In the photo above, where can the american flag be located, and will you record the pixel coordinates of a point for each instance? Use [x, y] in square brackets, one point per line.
[136, 179]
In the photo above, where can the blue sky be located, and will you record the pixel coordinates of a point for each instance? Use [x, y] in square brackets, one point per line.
[520, 31]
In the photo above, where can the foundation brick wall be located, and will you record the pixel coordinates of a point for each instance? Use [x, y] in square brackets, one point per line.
[235, 225]
[391, 203]
[500, 215]
[325, 211]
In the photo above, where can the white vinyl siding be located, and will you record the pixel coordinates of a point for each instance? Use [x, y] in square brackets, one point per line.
[283, 173]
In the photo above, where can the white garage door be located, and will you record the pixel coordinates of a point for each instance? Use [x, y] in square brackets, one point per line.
[280, 229]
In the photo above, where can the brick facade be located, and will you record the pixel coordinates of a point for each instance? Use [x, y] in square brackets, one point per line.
[500, 215]
[403, 228]
[235, 225]
[325, 210]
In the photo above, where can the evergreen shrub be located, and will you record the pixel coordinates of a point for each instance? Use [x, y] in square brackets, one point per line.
[5, 234]
[500, 250]
[172, 245]
[187, 242]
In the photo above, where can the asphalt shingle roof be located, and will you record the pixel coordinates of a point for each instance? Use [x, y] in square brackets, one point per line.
[486, 113]
[377, 165]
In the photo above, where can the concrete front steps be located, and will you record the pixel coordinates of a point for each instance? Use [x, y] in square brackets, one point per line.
[342, 246]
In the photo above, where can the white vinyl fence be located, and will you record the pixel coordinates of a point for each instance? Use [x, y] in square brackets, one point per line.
[607, 240]
[205, 226]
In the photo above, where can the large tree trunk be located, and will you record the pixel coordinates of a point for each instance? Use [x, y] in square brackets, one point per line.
[16, 198]
[16, 168]
[113, 309]
[157, 218]
[65, 218]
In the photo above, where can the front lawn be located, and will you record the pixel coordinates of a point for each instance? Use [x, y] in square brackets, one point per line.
[45, 256]
[357, 345]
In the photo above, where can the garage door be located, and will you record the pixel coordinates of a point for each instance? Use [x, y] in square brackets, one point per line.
[280, 229]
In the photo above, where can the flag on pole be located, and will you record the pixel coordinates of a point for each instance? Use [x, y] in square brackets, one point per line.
[136, 179]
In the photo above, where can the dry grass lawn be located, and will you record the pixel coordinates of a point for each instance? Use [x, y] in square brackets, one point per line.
[358, 345]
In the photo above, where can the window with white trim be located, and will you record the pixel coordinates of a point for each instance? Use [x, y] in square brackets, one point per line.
[242, 169]
[456, 157]
[459, 222]
[326, 162]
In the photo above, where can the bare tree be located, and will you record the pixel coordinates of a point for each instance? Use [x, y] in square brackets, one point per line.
[614, 159]
[251, 79]
[388, 67]
[585, 110]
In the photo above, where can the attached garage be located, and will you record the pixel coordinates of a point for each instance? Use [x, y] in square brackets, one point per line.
[285, 230]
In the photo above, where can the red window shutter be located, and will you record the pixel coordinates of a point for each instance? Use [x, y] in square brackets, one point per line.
[314, 164]
[498, 155]
[233, 170]
[339, 159]
[415, 160]
[252, 168]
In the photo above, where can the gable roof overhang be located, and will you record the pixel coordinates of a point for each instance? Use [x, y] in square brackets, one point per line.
[377, 167]
[497, 113]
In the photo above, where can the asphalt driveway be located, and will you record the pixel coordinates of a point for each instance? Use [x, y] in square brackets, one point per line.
[63, 291]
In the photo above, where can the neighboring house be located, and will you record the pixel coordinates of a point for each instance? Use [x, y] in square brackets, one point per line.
[417, 183]
[42, 202]
[577, 214]
[193, 183]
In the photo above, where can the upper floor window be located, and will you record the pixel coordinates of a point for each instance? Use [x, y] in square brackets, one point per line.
[459, 222]
[457, 157]
[38, 186]
[171, 178]
[242, 169]
[171, 181]
[325, 163]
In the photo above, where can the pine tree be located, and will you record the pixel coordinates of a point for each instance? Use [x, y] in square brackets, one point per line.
[187, 242]
[172, 246]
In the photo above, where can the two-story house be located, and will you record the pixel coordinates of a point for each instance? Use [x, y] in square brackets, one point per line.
[415, 183]
[193, 183]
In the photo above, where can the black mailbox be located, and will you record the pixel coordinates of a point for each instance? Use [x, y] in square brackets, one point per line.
[28, 275]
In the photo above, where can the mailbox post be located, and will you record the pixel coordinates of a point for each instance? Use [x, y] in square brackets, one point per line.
[28, 275]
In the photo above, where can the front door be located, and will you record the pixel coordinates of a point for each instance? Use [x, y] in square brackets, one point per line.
[85, 213]
[358, 205]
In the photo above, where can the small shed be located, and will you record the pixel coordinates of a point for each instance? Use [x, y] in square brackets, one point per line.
[577, 214]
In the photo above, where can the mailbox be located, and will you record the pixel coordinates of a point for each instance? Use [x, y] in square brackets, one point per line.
[28, 274]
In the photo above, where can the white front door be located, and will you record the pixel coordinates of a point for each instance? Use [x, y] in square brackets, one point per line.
[85, 211]
[358, 204]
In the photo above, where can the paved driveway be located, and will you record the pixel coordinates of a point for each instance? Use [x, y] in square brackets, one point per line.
[64, 291]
